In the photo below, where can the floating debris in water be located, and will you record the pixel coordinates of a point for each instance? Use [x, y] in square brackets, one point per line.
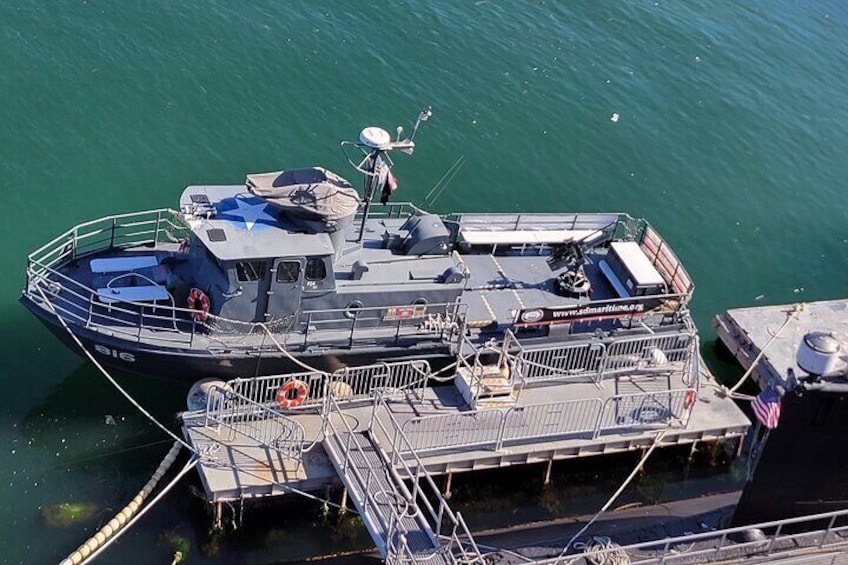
[67, 513]
[110, 420]
[614, 117]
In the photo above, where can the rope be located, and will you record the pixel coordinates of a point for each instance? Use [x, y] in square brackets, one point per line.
[106, 374]
[111, 530]
[616, 494]
[303, 365]
[188, 467]
[285, 352]
[601, 550]
[795, 311]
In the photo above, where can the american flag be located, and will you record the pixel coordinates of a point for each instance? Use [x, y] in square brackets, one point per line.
[766, 406]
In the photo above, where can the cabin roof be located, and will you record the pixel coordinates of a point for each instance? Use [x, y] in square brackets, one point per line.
[241, 226]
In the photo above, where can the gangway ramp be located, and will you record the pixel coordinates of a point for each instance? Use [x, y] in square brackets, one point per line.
[376, 491]
[409, 524]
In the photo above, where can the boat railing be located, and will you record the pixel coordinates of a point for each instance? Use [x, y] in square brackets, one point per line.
[815, 533]
[449, 526]
[138, 229]
[348, 384]
[589, 417]
[153, 230]
[436, 321]
[392, 210]
[666, 262]
[229, 410]
[538, 220]
[81, 304]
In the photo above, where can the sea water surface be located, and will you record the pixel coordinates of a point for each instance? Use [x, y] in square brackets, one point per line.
[724, 124]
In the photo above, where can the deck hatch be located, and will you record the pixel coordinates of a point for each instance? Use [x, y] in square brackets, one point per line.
[216, 234]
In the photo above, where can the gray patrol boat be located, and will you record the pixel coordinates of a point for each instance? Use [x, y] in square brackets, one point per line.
[296, 269]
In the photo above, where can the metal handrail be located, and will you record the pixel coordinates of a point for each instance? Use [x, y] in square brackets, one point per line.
[394, 525]
[225, 407]
[667, 551]
[420, 471]
[357, 382]
[596, 417]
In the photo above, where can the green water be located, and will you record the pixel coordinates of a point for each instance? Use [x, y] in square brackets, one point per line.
[732, 140]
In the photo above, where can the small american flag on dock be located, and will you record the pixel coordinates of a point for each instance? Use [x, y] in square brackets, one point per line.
[766, 406]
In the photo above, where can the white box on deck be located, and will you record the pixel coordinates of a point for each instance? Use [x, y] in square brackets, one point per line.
[634, 269]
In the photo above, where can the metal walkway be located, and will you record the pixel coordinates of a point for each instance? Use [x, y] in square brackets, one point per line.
[404, 522]
[378, 495]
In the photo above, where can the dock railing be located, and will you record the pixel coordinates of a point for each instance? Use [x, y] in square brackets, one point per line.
[348, 384]
[590, 359]
[821, 532]
[449, 526]
[590, 417]
[235, 413]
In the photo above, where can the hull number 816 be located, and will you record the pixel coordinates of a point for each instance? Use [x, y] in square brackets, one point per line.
[122, 355]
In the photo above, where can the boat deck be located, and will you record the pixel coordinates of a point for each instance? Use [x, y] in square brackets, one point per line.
[236, 466]
[746, 331]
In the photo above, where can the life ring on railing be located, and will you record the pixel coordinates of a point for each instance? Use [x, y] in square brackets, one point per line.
[292, 393]
[199, 302]
[689, 399]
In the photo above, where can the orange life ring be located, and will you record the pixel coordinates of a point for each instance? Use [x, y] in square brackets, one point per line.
[689, 400]
[199, 302]
[286, 399]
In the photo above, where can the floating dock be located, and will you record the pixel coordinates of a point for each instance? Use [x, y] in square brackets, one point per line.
[384, 431]
[779, 330]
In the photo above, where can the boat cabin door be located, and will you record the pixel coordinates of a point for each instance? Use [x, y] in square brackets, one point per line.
[285, 289]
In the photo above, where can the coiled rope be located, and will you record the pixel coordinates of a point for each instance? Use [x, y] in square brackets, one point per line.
[601, 550]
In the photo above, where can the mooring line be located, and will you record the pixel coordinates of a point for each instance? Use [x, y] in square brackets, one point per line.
[109, 533]
[111, 379]
[616, 494]
[797, 309]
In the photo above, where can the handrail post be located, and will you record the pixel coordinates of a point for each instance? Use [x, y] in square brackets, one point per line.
[502, 428]
[156, 231]
[601, 412]
[827, 531]
[774, 538]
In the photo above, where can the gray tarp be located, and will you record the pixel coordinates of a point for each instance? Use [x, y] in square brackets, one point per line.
[314, 193]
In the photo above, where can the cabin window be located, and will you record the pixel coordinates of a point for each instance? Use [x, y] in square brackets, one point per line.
[250, 271]
[288, 271]
[316, 270]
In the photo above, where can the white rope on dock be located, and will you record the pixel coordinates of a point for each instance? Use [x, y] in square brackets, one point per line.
[127, 516]
[616, 494]
[796, 309]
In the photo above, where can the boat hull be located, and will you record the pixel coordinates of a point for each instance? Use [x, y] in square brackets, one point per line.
[190, 365]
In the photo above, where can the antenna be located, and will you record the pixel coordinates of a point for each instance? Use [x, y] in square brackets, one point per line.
[374, 145]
